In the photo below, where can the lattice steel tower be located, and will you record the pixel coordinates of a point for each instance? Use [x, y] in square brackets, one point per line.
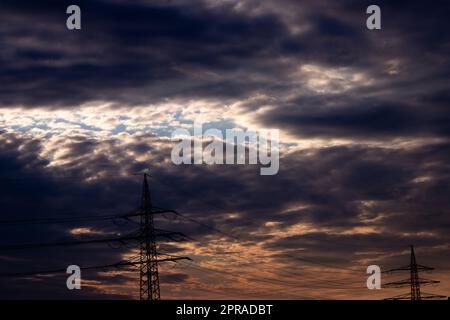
[149, 277]
[414, 275]
[414, 281]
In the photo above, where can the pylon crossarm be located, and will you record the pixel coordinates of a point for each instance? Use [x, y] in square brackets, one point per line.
[133, 263]
[428, 281]
[163, 210]
[399, 297]
[140, 212]
[432, 296]
[424, 268]
[406, 282]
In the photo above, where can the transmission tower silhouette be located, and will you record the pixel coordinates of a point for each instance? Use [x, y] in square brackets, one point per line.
[148, 269]
[148, 252]
[147, 260]
[414, 281]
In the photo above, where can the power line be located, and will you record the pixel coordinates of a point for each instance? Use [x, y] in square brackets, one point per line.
[107, 266]
[308, 260]
[148, 258]
[287, 286]
[233, 237]
[123, 239]
[56, 220]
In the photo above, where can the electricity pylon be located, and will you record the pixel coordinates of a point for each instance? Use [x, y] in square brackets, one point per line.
[414, 277]
[148, 252]
[148, 269]
[414, 281]
[148, 258]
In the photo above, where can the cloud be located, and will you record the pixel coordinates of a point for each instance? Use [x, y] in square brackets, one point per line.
[364, 152]
[142, 53]
[376, 198]
[358, 119]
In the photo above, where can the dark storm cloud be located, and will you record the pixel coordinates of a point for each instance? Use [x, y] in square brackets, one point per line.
[142, 52]
[363, 119]
[125, 52]
[398, 103]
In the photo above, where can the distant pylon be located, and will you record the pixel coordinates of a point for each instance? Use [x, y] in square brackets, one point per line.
[149, 276]
[415, 281]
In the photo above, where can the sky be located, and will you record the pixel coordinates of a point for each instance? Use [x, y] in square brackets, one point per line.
[364, 126]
